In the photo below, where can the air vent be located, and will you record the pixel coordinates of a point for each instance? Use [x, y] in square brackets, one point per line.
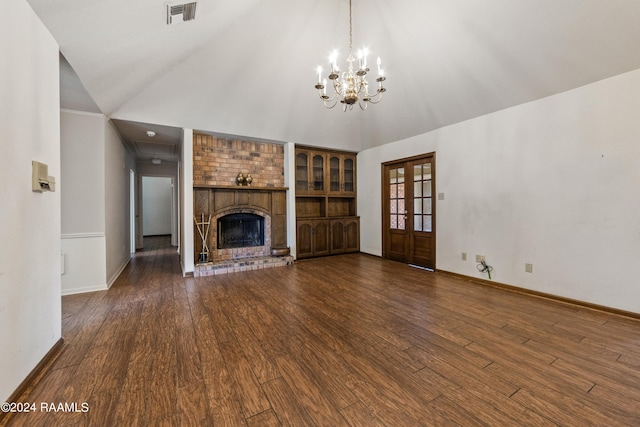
[181, 12]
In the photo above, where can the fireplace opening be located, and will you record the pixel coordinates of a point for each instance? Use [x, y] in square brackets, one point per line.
[240, 230]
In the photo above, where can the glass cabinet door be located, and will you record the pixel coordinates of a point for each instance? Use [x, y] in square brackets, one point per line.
[349, 175]
[341, 173]
[318, 172]
[334, 174]
[302, 172]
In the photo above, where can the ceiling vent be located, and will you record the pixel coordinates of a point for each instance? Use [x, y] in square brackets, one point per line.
[181, 12]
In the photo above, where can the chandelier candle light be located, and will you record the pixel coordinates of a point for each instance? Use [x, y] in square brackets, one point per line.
[352, 86]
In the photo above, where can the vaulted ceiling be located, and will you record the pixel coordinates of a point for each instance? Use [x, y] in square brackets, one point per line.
[247, 67]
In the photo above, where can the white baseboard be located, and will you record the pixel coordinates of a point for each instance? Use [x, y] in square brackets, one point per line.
[84, 289]
[117, 274]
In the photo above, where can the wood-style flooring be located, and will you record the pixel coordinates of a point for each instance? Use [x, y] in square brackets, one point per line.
[351, 340]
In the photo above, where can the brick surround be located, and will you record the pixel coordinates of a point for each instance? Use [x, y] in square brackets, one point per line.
[236, 253]
[217, 162]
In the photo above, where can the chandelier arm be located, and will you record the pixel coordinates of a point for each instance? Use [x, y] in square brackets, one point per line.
[376, 98]
[328, 104]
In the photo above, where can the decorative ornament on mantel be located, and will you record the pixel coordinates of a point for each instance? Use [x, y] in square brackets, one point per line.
[244, 179]
[352, 86]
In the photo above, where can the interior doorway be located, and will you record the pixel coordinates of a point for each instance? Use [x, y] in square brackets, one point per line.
[132, 211]
[158, 206]
[409, 217]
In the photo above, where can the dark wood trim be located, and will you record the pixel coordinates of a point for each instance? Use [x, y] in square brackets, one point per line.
[34, 377]
[325, 149]
[544, 295]
[240, 187]
[410, 159]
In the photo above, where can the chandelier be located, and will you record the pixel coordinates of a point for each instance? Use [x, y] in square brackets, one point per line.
[352, 85]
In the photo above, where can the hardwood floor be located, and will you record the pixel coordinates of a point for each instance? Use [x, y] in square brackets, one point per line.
[342, 341]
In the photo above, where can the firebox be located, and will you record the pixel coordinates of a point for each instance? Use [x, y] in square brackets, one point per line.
[239, 230]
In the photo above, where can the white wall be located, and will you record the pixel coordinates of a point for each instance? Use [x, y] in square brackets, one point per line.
[118, 163]
[185, 168]
[156, 205]
[83, 172]
[82, 190]
[290, 182]
[554, 183]
[95, 202]
[30, 312]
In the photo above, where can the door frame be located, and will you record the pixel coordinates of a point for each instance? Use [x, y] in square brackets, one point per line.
[384, 202]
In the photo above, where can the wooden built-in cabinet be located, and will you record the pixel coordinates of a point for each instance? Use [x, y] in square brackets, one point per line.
[313, 238]
[342, 174]
[321, 173]
[327, 221]
[345, 235]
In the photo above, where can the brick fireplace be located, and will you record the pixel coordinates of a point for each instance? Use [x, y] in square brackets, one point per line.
[245, 250]
[217, 163]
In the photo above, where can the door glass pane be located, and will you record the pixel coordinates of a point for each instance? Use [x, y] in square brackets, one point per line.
[394, 191]
[401, 191]
[394, 222]
[400, 174]
[426, 171]
[427, 223]
[401, 208]
[426, 189]
[417, 222]
[394, 206]
[401, 222]
[417, 189]
[417, 173]
[426, 203]
[417, 206]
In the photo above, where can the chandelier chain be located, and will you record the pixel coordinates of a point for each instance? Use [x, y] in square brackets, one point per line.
[350, 29]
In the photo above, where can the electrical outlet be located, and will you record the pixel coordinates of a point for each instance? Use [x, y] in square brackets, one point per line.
[480, 258]
[528, 268]
[464, 256]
